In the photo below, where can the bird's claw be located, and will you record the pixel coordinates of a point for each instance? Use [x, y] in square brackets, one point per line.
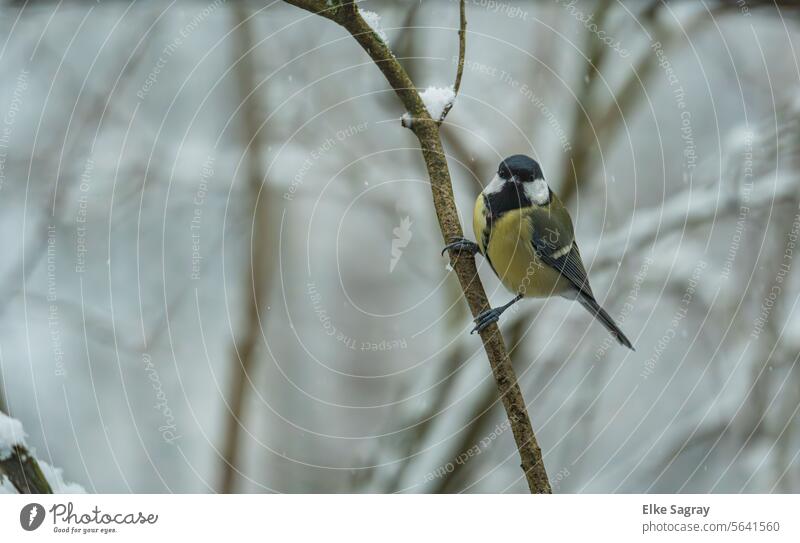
[485, 319]
[461, 245]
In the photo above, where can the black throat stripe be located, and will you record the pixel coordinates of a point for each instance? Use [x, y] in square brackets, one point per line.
[511, 196]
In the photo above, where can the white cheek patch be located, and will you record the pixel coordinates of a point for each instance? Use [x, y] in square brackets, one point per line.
[495, 185]
[538, 192]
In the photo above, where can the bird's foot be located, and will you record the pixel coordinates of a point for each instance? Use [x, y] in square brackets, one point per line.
[492, 315]
[462, 245]
[486, 318]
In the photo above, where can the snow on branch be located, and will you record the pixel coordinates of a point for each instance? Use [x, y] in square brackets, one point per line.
[438, 101]
[20, 471]
[374, 22]
[757, 186]
[685, 211]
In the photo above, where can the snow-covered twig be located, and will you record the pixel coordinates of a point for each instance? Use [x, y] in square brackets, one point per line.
[682, 213]
[709, 202]
[440, 100]
[20, 471]
[374, 22]
[462, 52]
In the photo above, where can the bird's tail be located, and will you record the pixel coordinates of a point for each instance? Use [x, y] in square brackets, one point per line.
[591, 305]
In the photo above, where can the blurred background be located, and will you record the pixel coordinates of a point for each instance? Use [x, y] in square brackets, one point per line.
[221, 270]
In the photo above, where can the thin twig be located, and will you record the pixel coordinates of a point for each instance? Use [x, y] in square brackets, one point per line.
[602, 120]
[462, 51]
[426, 130]
[575, 165]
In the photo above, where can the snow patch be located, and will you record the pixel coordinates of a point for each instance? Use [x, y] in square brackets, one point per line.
[437, 99]
[55, 476]
[374, 22]
[6, 487]
[11, 434]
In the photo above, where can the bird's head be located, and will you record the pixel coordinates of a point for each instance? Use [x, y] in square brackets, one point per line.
[522, 176]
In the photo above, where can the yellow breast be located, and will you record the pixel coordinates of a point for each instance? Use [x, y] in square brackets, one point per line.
[507, 245]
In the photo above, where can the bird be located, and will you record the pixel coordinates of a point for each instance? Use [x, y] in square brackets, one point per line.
[526, 235]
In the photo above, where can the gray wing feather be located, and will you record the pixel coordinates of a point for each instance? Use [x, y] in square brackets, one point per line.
[569, 265]
[552, 252]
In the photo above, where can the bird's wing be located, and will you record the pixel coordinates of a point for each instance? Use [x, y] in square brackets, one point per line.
[548, 240]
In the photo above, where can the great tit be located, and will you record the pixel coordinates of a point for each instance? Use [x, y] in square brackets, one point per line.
[526, 235]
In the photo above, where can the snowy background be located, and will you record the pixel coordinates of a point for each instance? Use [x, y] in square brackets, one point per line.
[221, 264]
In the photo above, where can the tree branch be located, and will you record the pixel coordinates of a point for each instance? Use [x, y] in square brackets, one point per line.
[573, 171]
[24, 472]
[481, 417]
[427, 132]
[16, 463]
[259, 274]
[709, 202]
[462, 51]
